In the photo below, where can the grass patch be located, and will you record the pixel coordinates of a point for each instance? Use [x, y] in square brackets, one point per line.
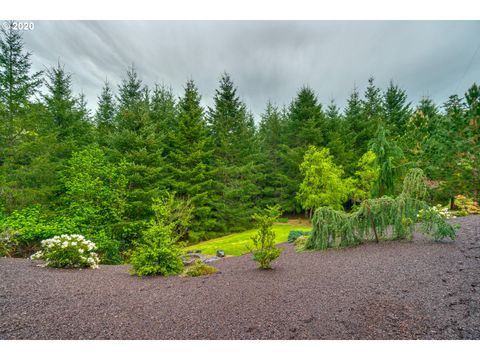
[236, 244]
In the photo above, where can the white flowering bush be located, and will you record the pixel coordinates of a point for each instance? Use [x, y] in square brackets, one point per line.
[436, 210]
[68, 251]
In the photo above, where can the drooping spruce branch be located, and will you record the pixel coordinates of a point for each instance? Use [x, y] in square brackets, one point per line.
[385, 218]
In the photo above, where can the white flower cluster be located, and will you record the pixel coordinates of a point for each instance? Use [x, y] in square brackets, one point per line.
[436, 209]
[68, 245]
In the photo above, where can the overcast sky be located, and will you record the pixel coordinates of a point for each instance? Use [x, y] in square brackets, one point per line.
[266, 59]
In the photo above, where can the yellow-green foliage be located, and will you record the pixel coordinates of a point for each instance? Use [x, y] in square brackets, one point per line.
[300, 242]
[365, 176]
[199, 268]
[466, 206]
[264, 250]
[322, 184]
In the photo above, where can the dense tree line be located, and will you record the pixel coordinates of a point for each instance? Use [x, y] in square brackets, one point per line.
[65, 169]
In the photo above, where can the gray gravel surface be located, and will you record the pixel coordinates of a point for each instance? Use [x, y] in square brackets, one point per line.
[391, 290]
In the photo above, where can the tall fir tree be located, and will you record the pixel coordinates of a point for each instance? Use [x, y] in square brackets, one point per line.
[396, 109]
[106, 110]
[353, 129]
[134, 142]
[372, 116]
[271, 137]
[337, 134]
[163, 116]
[444, 149]
[235, 158]
[69, 119]
[418, 129]
[17, 86]
[188, 163]
[19, 128]
[305, 126]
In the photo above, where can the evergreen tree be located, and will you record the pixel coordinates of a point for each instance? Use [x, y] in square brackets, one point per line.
[271, 139]
[445, 149]
[472, 140]
[134, 142]
[353, 129]
[163, 116]
[70, 120]
[337, 133]
[235, 157]
[305, 125]
[306, 121]
[25, 163]
[418, 129]
[189, 162]
[388, 156]
[17, 86]
[372, 116]
[397, 110]
[106, 108]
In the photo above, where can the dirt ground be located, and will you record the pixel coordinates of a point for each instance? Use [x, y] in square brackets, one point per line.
[391, 290]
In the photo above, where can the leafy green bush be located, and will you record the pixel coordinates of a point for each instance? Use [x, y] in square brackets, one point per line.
[294, 234]
[108, 249]
[282, 220]
[157, 252]
[161, 259]
[264, 250]
[31, 225]
[68, 251]
[95, 189]
[199, 268]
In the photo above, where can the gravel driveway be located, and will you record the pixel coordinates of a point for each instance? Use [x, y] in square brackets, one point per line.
[391, 290]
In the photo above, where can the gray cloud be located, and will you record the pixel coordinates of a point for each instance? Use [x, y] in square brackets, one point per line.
[267, 60]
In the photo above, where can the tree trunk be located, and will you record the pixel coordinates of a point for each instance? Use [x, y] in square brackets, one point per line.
[452, 203]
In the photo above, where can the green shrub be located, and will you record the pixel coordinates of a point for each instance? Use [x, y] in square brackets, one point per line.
[68, 251]
[294, 234]
[108, 249]
[199, 268]
[158, 251]
[264, 250]
[150, 260]
[282, 220]
[33, 224]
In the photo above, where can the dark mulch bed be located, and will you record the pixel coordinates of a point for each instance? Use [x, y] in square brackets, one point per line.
[394, 290]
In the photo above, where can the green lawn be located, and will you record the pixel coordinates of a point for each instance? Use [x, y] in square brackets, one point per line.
[235, 244]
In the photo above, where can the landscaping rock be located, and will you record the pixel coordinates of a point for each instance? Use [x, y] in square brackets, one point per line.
[220, 253]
